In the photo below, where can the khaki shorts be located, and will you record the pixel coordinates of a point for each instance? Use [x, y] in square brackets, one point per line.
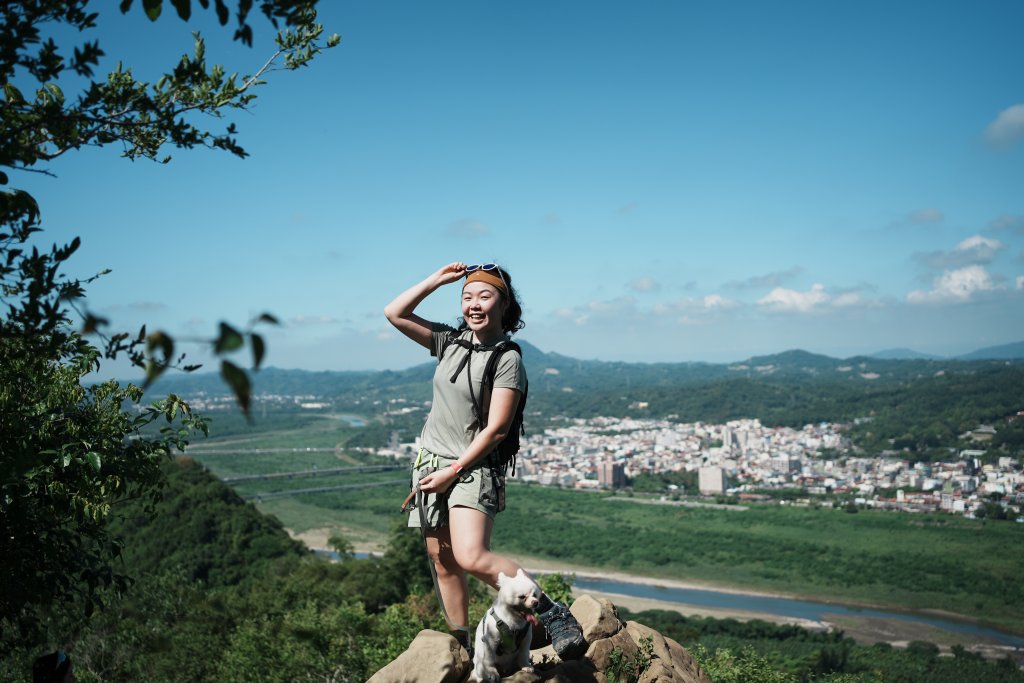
[478, 488]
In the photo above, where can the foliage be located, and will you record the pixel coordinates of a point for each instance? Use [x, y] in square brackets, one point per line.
[624, 669]
[201, 528]
[39, 122]
[724, 666]
[558, 587]
[70, 454]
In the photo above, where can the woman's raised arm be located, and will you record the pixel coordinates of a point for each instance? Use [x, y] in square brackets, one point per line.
[400, 312]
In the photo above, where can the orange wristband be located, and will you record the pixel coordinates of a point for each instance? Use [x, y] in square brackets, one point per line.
[456, 466]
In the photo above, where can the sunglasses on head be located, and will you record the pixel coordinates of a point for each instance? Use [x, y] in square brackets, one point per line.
[487, 267]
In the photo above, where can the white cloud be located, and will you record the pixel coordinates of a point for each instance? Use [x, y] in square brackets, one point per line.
[974, 250]
[644, 284]
[1008, 128]
[955, 286]
[1020, 282]
[781, 299]
[467, 228]
[978, 242]
[928, 215]
[847, 299]
[717, 301]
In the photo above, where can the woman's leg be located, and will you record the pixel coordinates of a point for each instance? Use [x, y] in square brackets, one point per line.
[470, 533]
[451, 578]
[471, 545]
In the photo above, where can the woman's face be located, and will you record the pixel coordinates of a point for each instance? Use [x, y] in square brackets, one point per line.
[482, 308]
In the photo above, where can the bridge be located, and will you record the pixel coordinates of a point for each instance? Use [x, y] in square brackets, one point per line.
[325, 489]
[299, 474]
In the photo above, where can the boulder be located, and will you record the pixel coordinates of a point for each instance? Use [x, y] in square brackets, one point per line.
[433, 657]
[437, 657]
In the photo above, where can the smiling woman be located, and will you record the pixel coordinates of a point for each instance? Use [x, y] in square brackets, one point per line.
[460, 486]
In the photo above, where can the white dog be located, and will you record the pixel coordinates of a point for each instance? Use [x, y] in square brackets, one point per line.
[503, 636]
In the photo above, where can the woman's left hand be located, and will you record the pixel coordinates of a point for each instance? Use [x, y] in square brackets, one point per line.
[439, 481]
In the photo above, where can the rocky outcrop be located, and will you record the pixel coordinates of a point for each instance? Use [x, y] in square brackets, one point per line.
[616, 651]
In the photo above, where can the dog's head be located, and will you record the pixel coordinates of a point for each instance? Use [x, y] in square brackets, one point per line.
[518, 592]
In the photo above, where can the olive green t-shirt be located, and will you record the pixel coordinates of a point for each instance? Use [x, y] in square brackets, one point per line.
[451, 425]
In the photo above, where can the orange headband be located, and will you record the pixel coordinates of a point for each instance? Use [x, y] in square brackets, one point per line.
[486, 277]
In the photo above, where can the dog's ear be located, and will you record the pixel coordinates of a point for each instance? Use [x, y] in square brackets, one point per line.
[502, 578]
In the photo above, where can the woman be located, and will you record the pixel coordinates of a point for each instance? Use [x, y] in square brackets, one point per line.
[461, 493]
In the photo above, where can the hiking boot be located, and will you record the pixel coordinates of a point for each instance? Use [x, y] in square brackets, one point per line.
[465, 639]
[565, 632]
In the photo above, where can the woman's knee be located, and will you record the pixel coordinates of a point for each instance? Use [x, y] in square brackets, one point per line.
[474, 560]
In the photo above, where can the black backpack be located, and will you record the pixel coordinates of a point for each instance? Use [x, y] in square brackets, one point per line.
[504, 455]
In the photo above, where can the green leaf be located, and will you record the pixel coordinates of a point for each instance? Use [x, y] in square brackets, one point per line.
[125, 6]
[93, 458]
[13, 94]
[222, 12]
[268, 318]
[184, 8]
[258, 349]
[153, 8]
[236, 378]
[159, 340]
[229, 339]
[55, 92]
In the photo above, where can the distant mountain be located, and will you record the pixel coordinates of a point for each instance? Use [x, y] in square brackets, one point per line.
[903, 354]
[796, 358]
[554, 374]
[1012, 351]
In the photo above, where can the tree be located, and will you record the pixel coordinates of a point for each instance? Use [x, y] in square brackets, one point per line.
[69, 453]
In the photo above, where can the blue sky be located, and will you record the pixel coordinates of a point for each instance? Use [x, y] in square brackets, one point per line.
[666, 181]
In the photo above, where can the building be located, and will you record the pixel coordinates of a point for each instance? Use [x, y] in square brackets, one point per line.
[712, 480]
[611, 475]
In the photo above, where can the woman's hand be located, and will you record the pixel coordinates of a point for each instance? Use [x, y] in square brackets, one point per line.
[450, 273]
[439, 481]
[400, 312]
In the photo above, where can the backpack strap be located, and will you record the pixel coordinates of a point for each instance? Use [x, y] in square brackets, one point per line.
[490, 370]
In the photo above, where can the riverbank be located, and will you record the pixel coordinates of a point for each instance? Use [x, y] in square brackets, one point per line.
[864, 629]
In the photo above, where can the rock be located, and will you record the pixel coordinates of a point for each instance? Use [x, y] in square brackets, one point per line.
[600, 651]
[432, 657]
[598, 618]
[437, 658]
[666, 650]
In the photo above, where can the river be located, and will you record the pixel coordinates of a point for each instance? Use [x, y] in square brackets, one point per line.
[770, 606]
[782, 607]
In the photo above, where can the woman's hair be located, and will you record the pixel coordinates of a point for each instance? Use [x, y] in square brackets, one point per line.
[512, 320]
[51, 667]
